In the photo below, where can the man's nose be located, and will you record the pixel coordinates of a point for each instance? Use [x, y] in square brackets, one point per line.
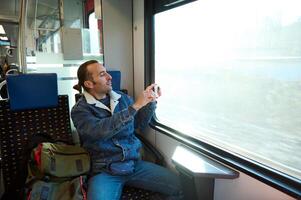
[109, 77]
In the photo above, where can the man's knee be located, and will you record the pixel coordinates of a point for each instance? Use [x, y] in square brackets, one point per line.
[104, 187]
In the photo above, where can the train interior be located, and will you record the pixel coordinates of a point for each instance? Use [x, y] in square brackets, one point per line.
[48, 36]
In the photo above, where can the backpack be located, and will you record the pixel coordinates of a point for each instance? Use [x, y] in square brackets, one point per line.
[72, 189]
[58, 160]
[57, 171]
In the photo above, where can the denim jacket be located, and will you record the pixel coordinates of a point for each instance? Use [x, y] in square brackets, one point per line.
[108, 134]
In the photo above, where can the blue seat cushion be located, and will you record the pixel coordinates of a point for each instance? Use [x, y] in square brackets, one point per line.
[116, 79]
[31, 91]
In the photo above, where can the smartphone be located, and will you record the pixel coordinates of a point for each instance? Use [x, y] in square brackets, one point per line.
[156, 88]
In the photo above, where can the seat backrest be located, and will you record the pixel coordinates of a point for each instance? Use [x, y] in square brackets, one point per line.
[18, 125]
[116, 79]
[29, 91]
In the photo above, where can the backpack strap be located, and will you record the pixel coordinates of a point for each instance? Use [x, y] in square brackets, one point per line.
[82, 188]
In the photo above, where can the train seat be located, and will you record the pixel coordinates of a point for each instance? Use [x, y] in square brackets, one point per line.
[34, 107]
[36, 110]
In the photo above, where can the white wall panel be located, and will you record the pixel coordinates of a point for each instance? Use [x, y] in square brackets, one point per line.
[138, 33]
[242, 188]
[118, 42]
[246, 188]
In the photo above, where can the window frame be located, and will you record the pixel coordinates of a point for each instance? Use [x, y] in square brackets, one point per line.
[276, 179]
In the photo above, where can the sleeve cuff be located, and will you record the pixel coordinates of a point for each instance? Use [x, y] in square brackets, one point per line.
[132, 111]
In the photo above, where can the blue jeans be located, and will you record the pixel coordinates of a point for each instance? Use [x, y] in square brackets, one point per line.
[147, 175]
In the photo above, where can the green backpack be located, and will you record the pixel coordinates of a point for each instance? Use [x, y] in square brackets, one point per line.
[58, 160]
[63, 190]
[57, 171]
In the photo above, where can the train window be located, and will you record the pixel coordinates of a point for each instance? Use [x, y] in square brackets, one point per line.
[93, 40]
[60, 35]
[230, 74]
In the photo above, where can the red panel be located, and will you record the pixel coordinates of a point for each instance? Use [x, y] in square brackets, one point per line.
[89, 7]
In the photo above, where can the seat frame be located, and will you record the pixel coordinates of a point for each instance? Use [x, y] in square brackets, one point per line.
[16, 130]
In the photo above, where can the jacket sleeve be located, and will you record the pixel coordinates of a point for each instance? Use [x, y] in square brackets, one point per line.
[93, 128]
[144, 115]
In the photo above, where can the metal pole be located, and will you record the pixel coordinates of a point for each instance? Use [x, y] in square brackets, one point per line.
[21, 40]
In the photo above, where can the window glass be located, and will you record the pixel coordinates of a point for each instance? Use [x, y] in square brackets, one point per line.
[230, 73]
[94, 34]
[60, 35]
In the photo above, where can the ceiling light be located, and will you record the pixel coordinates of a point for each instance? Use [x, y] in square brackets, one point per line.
[3, 38]
[2, 30]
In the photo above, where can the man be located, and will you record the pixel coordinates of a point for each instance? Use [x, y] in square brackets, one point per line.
[105, 121]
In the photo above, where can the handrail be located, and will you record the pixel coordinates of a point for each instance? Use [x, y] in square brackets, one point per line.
[12, 70]
[1, 85]
[4, 81]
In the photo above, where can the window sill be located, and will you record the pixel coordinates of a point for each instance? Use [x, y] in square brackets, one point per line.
[278, 180]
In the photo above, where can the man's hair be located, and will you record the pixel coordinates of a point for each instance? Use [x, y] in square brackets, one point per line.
[83, 74]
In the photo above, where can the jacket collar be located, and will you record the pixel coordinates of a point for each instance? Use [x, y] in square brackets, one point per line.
[114, 97]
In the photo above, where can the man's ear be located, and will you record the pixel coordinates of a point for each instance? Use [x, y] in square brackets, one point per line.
[88, 84]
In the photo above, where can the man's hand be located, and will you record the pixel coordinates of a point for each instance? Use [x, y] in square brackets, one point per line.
[145, 97]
